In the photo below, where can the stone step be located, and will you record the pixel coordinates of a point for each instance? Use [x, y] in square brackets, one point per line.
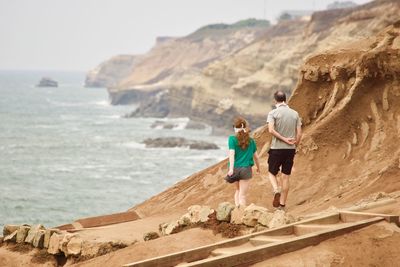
[303, 229]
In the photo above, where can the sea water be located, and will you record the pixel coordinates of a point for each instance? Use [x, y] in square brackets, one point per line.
[66, 153]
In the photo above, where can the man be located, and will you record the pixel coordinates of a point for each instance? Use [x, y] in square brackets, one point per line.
[285, 126]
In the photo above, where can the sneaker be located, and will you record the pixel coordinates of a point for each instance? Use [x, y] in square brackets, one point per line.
[277, 197]
[281, 207]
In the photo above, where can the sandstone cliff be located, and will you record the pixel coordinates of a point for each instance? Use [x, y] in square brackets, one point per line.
[111, 71]
[244, 82]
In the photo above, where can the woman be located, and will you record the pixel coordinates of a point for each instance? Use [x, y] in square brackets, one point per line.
[242, 151]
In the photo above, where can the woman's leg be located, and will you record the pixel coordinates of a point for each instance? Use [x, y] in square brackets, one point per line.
[236, 197]
[243, 186]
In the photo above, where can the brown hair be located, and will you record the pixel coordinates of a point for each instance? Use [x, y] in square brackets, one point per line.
[242, 136]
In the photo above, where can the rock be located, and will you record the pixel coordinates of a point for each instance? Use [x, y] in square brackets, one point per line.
[201, 145]
[11, 237]
[9, 229]
[150, 236]
[192, 125]
[39, 239]
[184, 220]
[55, 243]
[162, 228]
[90, 249]
[224, 211]
[168, 142]
[280, 218]
[172, 228]
[252, 213]
[22, 233]
[237, 215]
[163, 125]
[47, 82]
[74, 246]
[259, 228]
[265, 218]
[1, 240]
[199, 213]
[32, 233]
[64, 242]
[47, 235]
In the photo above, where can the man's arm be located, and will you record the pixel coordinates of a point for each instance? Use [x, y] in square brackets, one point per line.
[271, 129]
[299, 134]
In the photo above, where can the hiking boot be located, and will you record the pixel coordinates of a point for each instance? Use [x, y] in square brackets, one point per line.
[277, 197]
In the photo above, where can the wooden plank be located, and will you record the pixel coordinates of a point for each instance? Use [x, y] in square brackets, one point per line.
[351, 216]
[261, 253]
[302, 229]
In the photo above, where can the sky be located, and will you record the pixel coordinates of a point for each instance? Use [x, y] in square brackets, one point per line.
[80, 34]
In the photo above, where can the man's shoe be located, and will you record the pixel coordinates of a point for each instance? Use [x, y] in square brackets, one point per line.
[281, 207]
[277, 197]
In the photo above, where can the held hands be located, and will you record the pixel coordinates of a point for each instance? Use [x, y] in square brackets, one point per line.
[289, 141]
[230, 172]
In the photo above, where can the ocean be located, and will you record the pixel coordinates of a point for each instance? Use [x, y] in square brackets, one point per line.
[66, 153]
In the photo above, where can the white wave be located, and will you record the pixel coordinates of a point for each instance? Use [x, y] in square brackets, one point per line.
[135, 145]
[122, 177]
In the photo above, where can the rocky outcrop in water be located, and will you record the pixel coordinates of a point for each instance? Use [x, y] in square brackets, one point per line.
[169, 142]
[47, 82]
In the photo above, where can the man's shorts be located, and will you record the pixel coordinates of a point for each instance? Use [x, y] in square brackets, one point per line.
[240, 173]
[281, 159]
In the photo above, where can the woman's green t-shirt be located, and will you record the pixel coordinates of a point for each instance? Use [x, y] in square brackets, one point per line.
[243, 157]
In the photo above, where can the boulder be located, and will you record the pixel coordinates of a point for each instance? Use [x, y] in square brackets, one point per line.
[38, 240]
[55, 243]
[201, 145]
[237, 215]
[64, 242]
[32, 233]
[224, 211]
[47, 235]
[184, 220]
[252, 213]
[172, 228]
[9, 229]
[22, 233]
[74, 246]
[280, 218]
[162, 228]
[1, 240]
[90, 249]
[265, 218]
[199, 213]
[168, 142]
[47, 82]
[11, 237]
[150, 236]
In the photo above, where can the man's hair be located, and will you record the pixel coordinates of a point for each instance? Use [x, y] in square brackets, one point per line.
[280, 96]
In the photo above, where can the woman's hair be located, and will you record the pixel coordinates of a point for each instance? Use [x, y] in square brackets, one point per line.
[242, 135]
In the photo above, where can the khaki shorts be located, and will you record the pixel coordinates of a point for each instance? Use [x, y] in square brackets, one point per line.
[240, 173]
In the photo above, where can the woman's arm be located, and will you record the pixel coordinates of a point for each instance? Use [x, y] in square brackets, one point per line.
[257, 161]
[231, 161]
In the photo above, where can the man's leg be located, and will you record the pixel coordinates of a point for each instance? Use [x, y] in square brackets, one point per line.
[274, 182]
[285, 189]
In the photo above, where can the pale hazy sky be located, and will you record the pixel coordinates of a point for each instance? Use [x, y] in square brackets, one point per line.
[79, 34]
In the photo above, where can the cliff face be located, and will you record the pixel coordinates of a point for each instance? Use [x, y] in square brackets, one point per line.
[170, 57]
[110, 72]
[349, 99]
[244, 81]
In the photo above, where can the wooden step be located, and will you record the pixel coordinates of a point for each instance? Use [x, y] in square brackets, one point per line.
[232, 250]
[267, 239]
[303, 229]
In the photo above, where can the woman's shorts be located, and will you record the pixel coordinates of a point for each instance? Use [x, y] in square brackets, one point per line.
[240, 173]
